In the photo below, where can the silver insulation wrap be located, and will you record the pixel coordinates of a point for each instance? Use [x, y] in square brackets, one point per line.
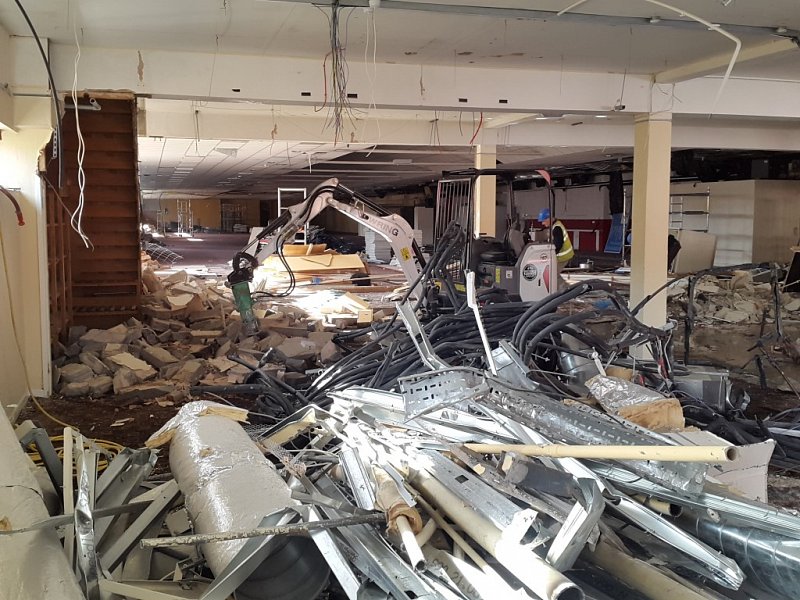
[229, 485]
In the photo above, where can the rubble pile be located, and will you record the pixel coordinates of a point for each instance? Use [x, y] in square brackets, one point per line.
[734, 299]
[190, 328]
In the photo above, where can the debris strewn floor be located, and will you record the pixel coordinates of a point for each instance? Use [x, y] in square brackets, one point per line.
[475, 448]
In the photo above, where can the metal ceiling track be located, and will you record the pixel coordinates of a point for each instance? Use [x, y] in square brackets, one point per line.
[549, 15]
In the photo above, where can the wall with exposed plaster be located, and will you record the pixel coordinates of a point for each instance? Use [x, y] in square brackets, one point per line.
[23, 289]
[754, 220]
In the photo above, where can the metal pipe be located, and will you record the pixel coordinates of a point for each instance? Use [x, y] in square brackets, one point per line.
[32, 565]
[291, 529]
[770, 561]
[706, 454]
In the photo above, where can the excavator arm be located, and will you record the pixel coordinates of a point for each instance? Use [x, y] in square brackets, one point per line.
[330, 194]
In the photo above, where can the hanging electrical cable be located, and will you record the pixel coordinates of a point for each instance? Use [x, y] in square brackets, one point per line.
[76, 219]
[712, 26]
[58, 145]
[474, 135]
[374, 75]
[340, 109]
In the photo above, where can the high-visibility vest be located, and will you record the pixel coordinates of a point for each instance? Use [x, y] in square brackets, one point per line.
[566, 252]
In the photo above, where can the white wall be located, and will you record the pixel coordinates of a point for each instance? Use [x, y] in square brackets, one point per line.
[732, 209]
[777, 220]
[574, 203]
[754, 221]
[25, 285]
[6, 104]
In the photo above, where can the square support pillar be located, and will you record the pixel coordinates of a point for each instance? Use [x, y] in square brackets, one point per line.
[485, 192]
[651, 177]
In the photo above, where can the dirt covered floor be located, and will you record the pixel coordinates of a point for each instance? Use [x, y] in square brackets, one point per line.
[128, 424]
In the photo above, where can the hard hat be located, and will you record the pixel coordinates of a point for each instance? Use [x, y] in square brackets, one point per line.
[544, 215]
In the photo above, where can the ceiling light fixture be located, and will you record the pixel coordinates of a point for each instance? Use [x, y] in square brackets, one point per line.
[654, 20]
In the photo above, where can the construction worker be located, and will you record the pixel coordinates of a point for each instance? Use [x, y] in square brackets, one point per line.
[560, 238]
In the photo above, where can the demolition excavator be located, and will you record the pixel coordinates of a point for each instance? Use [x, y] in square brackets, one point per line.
[329, 194]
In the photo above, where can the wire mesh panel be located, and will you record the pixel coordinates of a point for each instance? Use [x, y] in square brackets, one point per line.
[454, 203]
[160, 253]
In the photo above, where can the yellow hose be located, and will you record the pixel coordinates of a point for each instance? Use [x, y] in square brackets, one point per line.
[110, 449]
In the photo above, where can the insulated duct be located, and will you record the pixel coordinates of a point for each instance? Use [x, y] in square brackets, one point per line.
[229, 485]
[770, 561]
[33, 564]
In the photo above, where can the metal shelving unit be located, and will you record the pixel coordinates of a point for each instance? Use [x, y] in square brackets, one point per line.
[691, 205]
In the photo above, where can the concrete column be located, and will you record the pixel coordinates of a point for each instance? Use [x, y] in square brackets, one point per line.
[651, 171]
[485, 192]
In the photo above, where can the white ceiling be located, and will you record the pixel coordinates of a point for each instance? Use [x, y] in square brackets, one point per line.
[258, 167]
[300, 29]
[239, 168]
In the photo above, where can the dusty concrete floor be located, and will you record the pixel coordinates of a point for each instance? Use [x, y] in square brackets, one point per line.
[210, 252]
[729, 345]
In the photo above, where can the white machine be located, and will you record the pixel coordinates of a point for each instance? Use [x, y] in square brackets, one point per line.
[539, 272]
[532, 277]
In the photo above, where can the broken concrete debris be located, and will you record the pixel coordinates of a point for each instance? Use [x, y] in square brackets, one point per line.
[732, 299]
[190, 329]
[76, 373]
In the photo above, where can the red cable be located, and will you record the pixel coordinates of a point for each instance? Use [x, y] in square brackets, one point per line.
[17, 209]
[474, 135]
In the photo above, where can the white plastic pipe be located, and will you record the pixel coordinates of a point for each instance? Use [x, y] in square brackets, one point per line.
[461, 548]
[538, 576]
[705, 454]
[424, 536]
[410, 544]
[33, 564]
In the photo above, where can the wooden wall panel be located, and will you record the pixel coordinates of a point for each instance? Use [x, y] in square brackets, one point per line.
[59, 264]
[102, 286]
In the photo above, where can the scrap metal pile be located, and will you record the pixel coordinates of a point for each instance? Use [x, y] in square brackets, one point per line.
[489, 452]
[471, 447]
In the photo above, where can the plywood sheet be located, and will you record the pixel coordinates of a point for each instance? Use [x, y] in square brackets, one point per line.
[321, 263]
